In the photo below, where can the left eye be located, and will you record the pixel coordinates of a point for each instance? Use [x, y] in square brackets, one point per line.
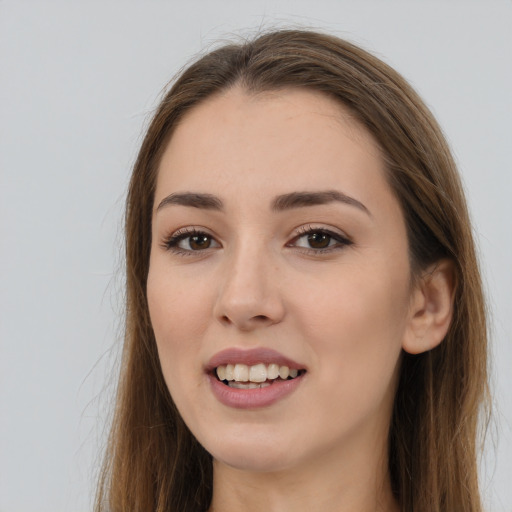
[319, 240]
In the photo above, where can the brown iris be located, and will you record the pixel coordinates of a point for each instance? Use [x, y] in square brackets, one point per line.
[319, 240]
[198, 242]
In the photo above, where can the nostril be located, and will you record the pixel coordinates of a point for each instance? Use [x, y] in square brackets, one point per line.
[257, 319]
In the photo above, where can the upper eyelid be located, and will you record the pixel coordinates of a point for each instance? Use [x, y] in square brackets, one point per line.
[311, 228]
[171, 242]
[304, 229]
[189, 231]
[184, 232]
[341, 241]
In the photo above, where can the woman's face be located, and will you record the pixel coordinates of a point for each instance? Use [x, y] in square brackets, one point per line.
[277, 243]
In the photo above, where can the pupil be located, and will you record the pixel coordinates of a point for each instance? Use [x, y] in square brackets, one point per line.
[199, 242]
[319, 240]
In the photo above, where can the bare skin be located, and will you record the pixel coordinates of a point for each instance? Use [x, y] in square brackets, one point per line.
[347, 489]
[327, 285]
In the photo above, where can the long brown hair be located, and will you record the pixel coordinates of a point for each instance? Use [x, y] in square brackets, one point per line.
[153, 463]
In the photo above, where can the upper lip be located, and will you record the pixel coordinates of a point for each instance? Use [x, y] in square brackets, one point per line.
[251, 357]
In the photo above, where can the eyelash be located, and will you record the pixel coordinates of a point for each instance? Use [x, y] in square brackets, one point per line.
[172, 242]
[341, 240]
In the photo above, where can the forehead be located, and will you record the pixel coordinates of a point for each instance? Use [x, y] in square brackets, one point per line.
[280, 139]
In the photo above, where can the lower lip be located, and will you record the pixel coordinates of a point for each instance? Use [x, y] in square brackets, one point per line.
[253, 398]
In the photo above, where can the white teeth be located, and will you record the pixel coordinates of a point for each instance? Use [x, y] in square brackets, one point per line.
[247, 385]
[229, 372]
[273, 371]
[241, 373]
[221, 372]
[256, 374]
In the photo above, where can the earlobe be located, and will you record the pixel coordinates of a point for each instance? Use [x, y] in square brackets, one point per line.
[431, 308]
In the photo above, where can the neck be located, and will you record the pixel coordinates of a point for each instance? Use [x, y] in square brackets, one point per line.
[355, 482]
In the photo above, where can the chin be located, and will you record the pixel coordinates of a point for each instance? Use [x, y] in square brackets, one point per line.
[252, 455]
[254, 462]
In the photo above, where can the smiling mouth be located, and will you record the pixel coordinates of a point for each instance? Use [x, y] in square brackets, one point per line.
[242, 376]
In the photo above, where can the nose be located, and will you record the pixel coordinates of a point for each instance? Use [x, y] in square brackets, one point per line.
[250, 291]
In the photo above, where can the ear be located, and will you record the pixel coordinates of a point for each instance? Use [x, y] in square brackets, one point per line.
[431, 308]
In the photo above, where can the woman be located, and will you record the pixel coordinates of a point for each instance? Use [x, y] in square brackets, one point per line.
[305, 321]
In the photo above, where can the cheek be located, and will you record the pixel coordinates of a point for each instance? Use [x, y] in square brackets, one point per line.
[356, 299]
[356, 329]
[179, 314]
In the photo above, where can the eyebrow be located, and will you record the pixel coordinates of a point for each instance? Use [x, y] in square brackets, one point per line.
[279, 204]
[301, 199]
[192, 199]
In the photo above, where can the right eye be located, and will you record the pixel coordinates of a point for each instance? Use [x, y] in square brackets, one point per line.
[187, 241]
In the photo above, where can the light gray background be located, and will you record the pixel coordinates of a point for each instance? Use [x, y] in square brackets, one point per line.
[77, 83]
